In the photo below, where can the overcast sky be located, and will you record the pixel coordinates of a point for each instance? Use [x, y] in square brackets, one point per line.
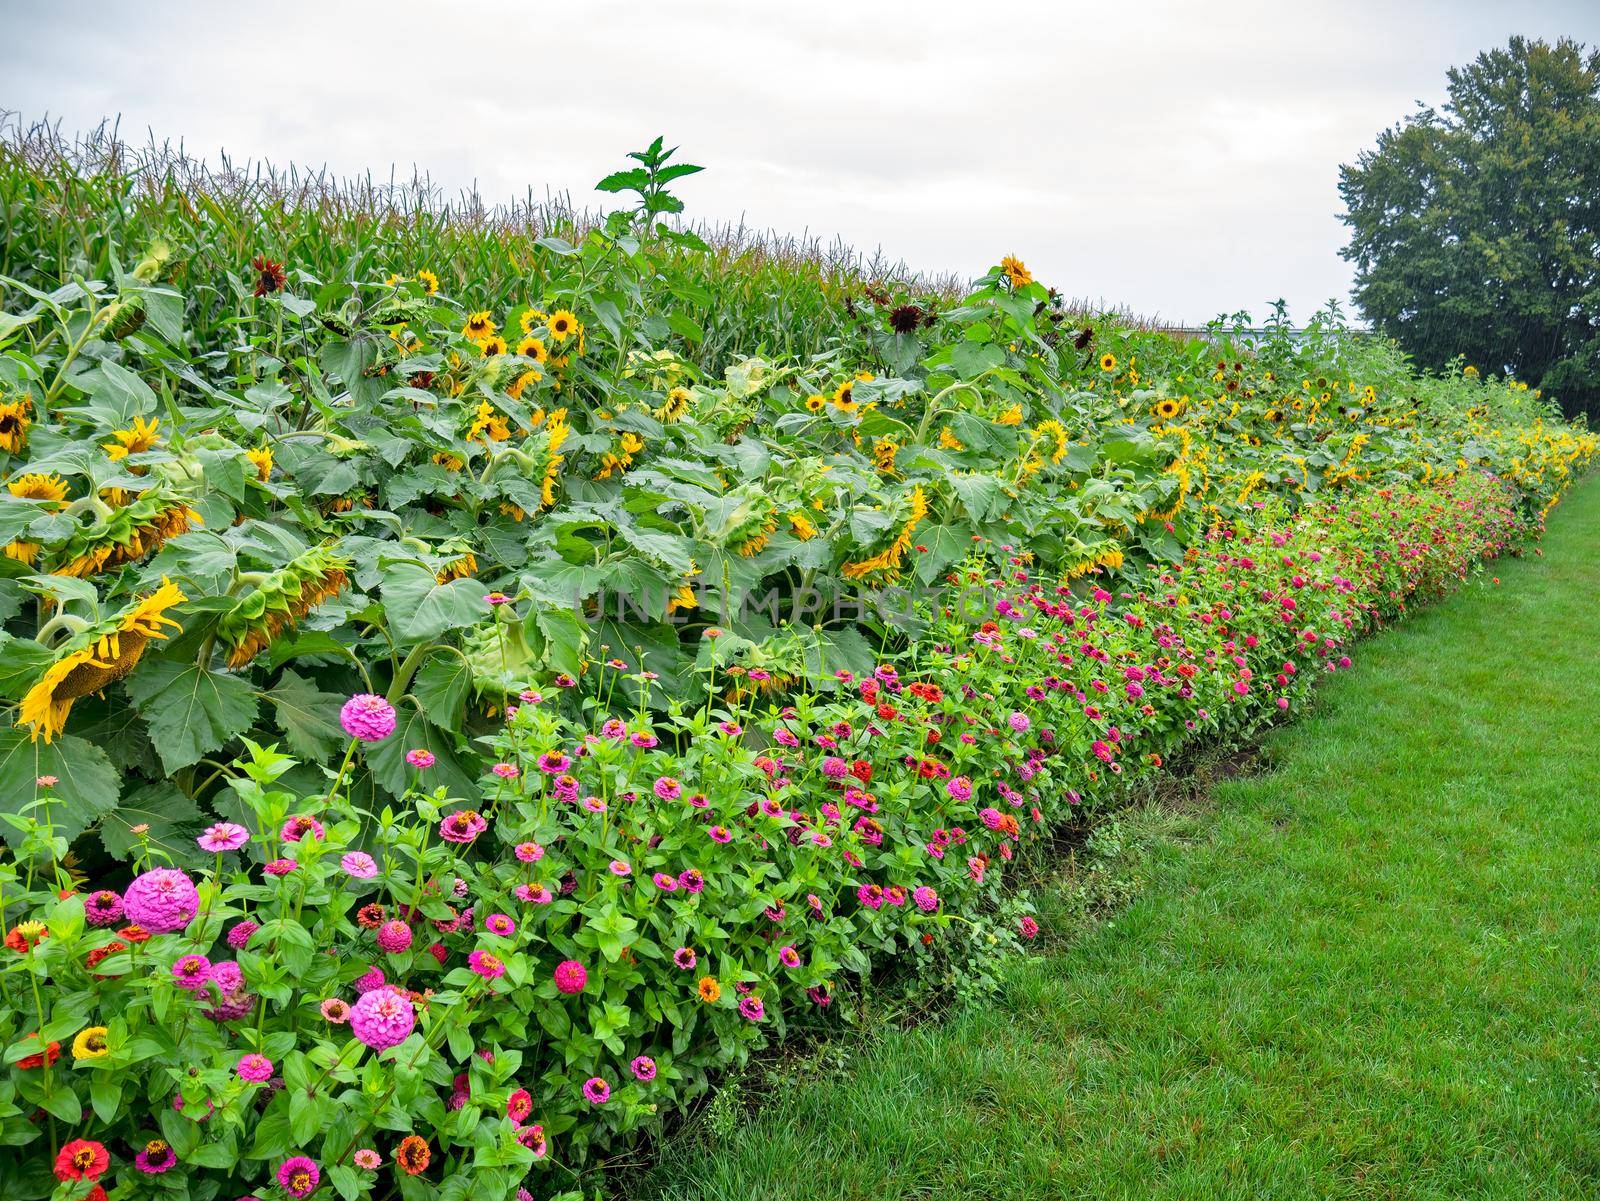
[1179, 158]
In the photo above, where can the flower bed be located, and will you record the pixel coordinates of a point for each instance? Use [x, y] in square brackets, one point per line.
[464, 1001]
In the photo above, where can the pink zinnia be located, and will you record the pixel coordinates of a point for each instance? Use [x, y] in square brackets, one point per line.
[192, 972]
[103, 908]
[383, 1018]
[665, 881]
[486, 964]
[926, 898]
[529, 852]
[394, 937]
[620, 868]
[299, 1176]
[644, 1068]
[506, 771]
[367, 717]
[223, 836]
[419, 759]
[596, 1091]
[239, 934]
[299, 826]
[959, 788]
[519, 1105]
[1028, 927]
[335, 1010]
[367, 1159]
[279, 867]
[254, 1068]
[359, 864]
[463, 826]
[789, 957]
[752, 1009]
[684, 958]
[571, 976]
[161, 901]
[720, 834]
[501, 924]
[667, 788]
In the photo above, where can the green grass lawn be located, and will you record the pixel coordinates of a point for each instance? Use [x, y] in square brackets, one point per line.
[1367, 971]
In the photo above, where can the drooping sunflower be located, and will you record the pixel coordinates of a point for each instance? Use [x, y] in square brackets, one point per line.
[278, 601]
[891, 558]
[1011, 416]
[802, 525]
[675, 406]
[1018, 274]
[883, 452]
[524, 381]
[620, 458]
[480, 326]
[556, 432]
[95, 656]
[15, 418]
[488, 425]
[261, 457]
[52, 490]
[125, 534]
[563, 324]
[1059, 442]
[458, 568]
[948, 440]
[139, 437]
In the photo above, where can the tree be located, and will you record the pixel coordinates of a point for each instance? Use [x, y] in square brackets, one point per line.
[1476, 230]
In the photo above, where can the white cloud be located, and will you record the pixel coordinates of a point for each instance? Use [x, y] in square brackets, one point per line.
[1179, 158]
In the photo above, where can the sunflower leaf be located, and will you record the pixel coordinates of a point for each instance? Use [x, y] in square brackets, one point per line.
[86, 784]
[191, 710]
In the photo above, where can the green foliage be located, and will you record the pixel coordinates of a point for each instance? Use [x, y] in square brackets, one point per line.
[1474, 229]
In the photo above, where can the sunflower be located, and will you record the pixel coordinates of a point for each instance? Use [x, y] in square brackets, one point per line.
[15, 418]
[948, 440]
[493, 345]
[533, 319]
[683, 598]
[524, 380]
[52, 490]
[261, 456]
[1011, 416]
[675, 406]
[889, 560]
[556, 434]
[844, 397]
[621, 458]
[450, 462]
[139, 437]
[429, 281]
[883, 453]
[278, 601]
[803, 527]
[1108, 362]
[125, 535]
[533, 348]
[459, 568]
[480, 326]
[816, 402]
[1166, 409]
[1019, 275]
[708, 988]
[563, 324]
[95, 656]
[1057, 433]
[488, 424]
[91, 1043]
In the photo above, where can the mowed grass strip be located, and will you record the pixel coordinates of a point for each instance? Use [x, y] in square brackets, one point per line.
[1366, 972]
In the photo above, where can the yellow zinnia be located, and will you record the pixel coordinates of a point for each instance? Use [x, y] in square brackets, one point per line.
[91, 1043]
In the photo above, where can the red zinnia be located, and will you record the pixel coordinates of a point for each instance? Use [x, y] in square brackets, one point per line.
[412, 1154]
[50, 1053]
[82, 1159]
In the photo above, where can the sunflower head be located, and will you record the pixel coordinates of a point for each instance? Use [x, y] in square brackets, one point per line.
[279, 600]
[1108, 362]
[563, 324]
[1018, 274]
[261, 458]
[480, 326]
[94, 657]
[15, 418]
[429, 281]
[139, 437]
